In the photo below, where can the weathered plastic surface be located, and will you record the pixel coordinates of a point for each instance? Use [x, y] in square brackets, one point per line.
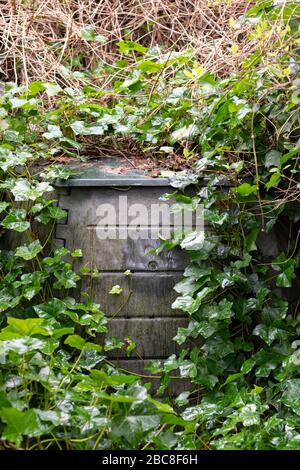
[143, 309]
[144, 295]
[153, 336]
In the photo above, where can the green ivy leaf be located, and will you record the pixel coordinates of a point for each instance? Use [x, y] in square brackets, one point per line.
[183, 133]
[77, 342]
[133, 428]
[17, 328]
[80, 128]
[30, 251]
[270, 333]
[291, 395]
[36, 87]
[50, 212]
[273, 181]
[54, 132]
[18, 424]
[23, 190]
[15, 220]
[52, 89]
[130, 345]
[287, 268]
[65, 279]
[126, 46]
[18, 102]
[88, 33]
[188, 369]
[245, 189]
[116, 290]
[4, 206]
[272, 158]
[77, 253]
[148, 66]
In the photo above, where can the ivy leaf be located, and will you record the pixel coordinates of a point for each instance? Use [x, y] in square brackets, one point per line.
[36, 87]
[18, 328]
[186, 286]
[245, 369]
[206, 379]
[182, 179]
[116, 290]
[77, 342]
[161, 407]
[183, 133]
[52, 89]
[24, 345]
[184, 333]
[133, 428]
[25, 191]
[17, 102]
[113, 343]
[182, 399]
[221, 311]
[148, 66]
[270, 333]
[4, 402]
[77, 253]
[218, 345]
[30, 251]
[126, 46]
[54, 132]
[4, 206]
[9, 159]
[208, 328]
[287, 267]
[88, 33]
[256, 390]
[242, 263]
[59, 332]
[50, 212]
[285, 279]
[272, 158]
[15, 220]
[66, 279]
[80, 128]
[266, 362]
[250, 239]
[194, 241]
[287, 156]
[245, 189]
[291, 395]
[18, 424]
[188, 304]
[249, 415]
[59, 171]
[130, 345]
[188, 369]
[273, 181]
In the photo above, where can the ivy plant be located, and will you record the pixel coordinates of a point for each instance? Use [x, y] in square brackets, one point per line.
[240, 349]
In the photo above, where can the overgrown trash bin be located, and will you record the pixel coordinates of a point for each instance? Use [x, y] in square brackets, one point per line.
[133, 287]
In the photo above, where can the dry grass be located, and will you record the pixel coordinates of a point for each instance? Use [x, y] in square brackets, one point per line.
[37, 36]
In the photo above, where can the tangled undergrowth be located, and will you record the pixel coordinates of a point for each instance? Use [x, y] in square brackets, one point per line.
[57, 389]
[49, 40]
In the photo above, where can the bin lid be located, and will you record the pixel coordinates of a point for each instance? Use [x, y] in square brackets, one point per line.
[110, 172]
